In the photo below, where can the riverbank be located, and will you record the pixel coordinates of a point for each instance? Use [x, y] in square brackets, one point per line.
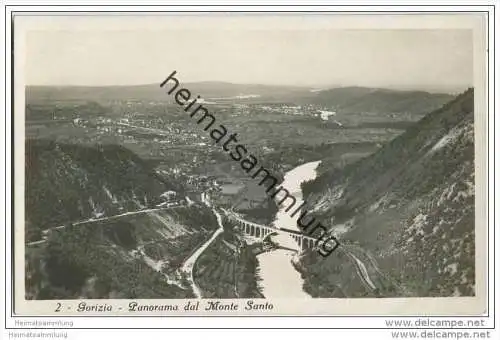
[235, 266]
[279, 273]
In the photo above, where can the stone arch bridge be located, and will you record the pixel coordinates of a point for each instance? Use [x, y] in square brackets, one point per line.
[261, 231]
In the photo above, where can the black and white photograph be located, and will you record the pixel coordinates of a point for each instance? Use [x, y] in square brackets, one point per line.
[257, 158]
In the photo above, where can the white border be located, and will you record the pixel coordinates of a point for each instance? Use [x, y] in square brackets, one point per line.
[223, 322]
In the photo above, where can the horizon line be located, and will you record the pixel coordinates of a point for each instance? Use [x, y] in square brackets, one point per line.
[425, 88]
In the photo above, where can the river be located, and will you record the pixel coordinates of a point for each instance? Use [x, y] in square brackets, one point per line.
[279, 279]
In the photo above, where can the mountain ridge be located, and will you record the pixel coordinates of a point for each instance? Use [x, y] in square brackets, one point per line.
[403, 206]
[343, 99]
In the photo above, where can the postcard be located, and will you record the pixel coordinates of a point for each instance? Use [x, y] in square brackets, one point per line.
[304, 164]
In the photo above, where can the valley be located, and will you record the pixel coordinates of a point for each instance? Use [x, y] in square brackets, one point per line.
[128, 197]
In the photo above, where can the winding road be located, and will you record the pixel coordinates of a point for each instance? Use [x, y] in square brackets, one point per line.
[362, 272]
[188, 265]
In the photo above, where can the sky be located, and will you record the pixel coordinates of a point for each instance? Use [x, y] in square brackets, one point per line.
[317, 57]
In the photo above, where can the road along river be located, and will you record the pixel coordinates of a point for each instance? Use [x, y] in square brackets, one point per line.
[279, 279]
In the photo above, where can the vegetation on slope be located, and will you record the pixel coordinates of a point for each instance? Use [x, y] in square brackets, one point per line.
[67, 183]
[228, 267]
[408, 210]
[128, 257]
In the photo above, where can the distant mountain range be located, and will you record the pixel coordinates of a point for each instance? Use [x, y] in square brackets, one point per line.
[153, 92]
[407, 211]
[342, 99]
[362, 99]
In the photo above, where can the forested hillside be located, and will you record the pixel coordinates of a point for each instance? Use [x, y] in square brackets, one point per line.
[408, 209]
[67, 183]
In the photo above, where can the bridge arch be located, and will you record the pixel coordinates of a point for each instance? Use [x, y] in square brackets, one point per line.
[283, 237]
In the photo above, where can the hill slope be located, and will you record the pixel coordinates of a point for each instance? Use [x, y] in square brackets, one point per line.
[68, 183]
[406, 212]
[362, 99]
[96, 226]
